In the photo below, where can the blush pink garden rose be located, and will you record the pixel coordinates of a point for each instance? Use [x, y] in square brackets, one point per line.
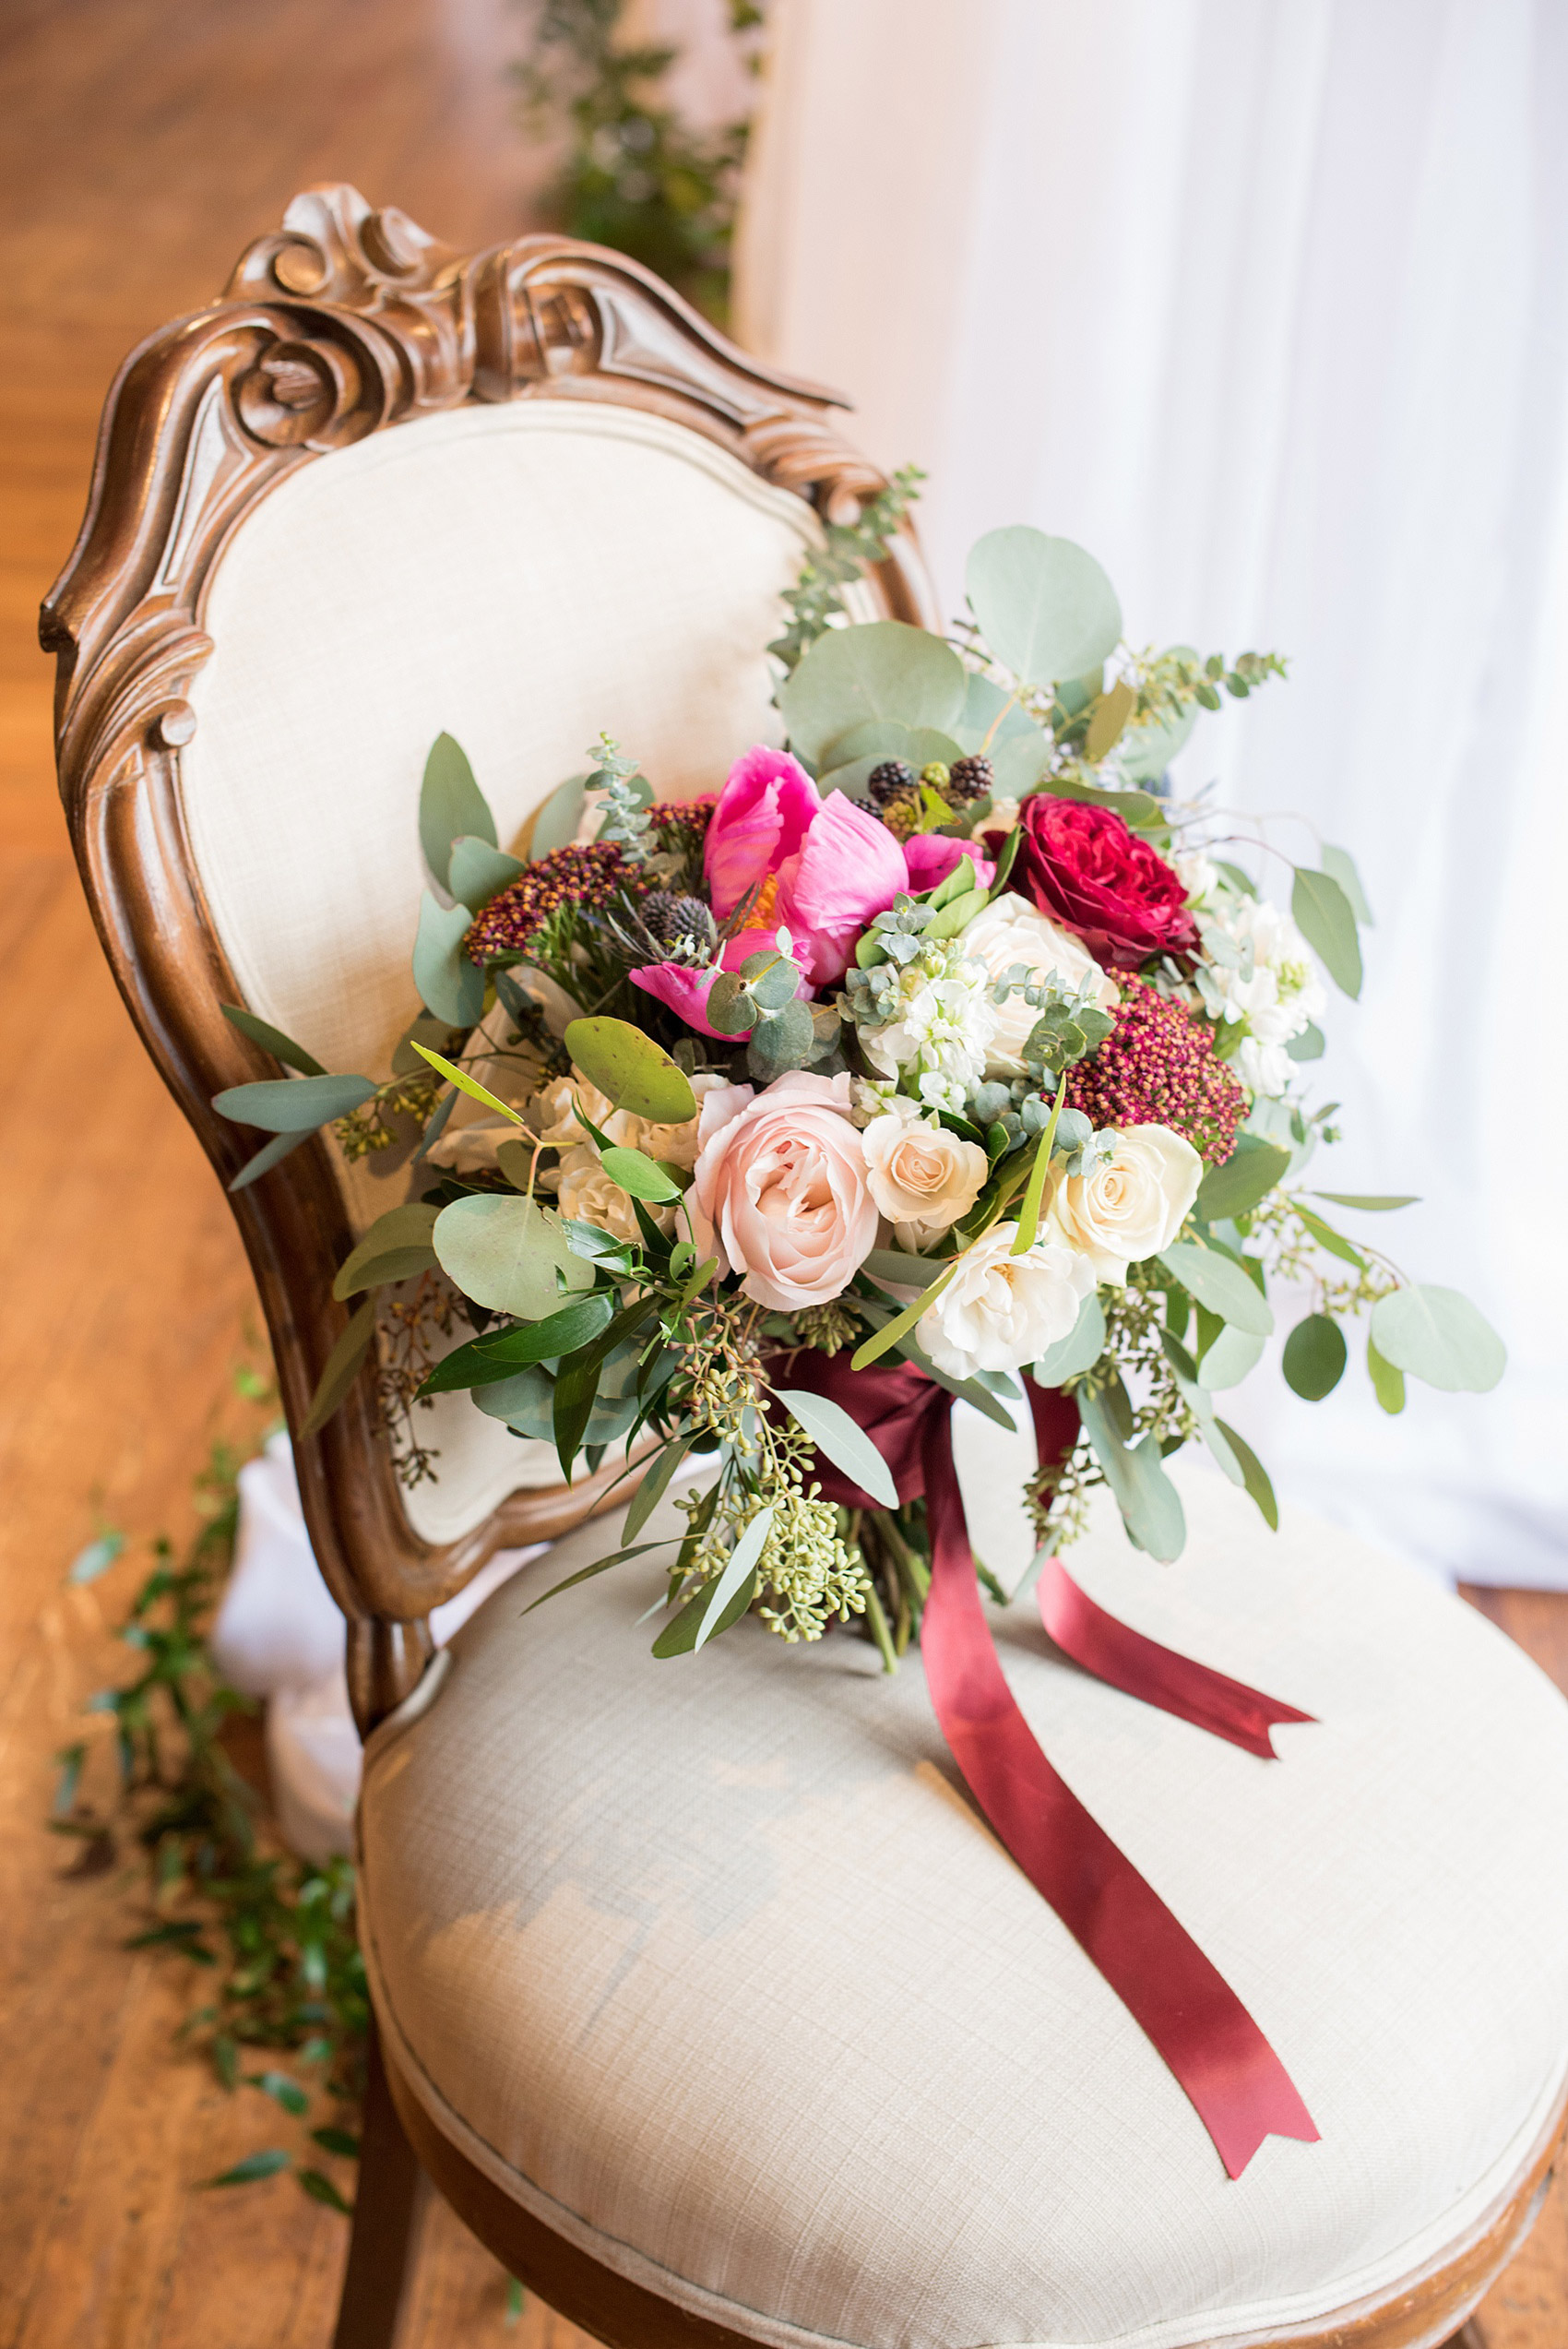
[779, 1194]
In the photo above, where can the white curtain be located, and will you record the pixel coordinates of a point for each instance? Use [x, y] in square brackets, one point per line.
[1268, 306]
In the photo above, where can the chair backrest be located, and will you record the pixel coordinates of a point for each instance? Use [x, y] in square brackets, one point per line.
[378, 492]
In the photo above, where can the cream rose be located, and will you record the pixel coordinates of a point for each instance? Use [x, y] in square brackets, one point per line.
[588, 1193]
[553, 1112]
[779, 1192]
[1008, 932]
[1000, 1311]
[1131, 1205]
[922, 1177]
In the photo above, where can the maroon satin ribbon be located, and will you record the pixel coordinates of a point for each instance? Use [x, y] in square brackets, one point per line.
[1238, 2085]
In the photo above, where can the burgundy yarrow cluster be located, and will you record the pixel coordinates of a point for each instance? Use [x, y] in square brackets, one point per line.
[589, 876]
[1159, 1067]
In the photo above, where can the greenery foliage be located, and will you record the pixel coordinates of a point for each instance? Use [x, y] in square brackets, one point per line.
[634, 174]
[282, 2006]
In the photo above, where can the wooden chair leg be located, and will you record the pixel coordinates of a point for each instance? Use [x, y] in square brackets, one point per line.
[386, 2212]
[1466, 2338]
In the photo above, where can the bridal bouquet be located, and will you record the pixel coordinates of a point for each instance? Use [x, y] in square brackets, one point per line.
[944, 1038]
[942, 1055]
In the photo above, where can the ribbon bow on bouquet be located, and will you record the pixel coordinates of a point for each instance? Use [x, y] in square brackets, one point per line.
[1240, 2090]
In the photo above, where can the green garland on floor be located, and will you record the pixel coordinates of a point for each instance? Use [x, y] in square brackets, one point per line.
[272, 1936]
[634, 174]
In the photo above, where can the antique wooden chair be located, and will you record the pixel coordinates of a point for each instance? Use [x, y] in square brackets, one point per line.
[701, 1992]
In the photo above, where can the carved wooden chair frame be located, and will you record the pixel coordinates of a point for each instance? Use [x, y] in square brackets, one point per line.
[346, 322]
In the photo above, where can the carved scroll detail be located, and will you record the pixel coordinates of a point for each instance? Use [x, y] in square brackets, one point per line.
[343, 322]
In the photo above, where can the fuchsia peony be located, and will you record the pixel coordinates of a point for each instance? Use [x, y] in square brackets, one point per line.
[931, 857]
[823, 867]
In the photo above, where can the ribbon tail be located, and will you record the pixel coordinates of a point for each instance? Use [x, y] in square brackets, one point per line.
[1237, 2084]
[1115, 1652]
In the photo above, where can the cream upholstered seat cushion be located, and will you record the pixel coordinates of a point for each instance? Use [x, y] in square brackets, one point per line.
[522, 576]
[711, 1966]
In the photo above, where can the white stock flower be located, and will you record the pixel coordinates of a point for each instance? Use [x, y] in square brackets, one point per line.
[943, 1027]
[1278, 996]
[1131, 1205]
[1008, 932]
[920, 1176]
[1000, 1311]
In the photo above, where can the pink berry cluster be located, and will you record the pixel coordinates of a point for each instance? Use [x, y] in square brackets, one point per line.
[1159, 1067]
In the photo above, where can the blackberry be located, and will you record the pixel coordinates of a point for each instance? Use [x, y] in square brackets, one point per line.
[672, 921]
[971, 779]
[885, 782]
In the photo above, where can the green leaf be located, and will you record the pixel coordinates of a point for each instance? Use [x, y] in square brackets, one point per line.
[466, 1084]
[1253, 1475]
[270, 1155]
[94, 1560]
[1324, 917]
[448, 983]
[247, 2172]
[1146, 751]
[959, 913]
[1029, 1212]
[1315, 1357]
[631, 1071]
[1371, 1202]
[902, 1323]
[272, 1040]
[601, 1565]
[555, 825]
[1149, 1503]
[679, 1634]
[321, 2190]
[505, 1252]
[292, 1105]
[739, 1574]
[281, 2088]
[1338, 863]
[833, 1431]
[1112, 711]
[1233, 1355]
[1248, 1176]
[1437, 1335]
[1311, 1044]
[1045, 608]
[782, 1041]
[892, 1266]
[989, 705]
[882, 668]
[639, 1175]
[1078, 1350]
[396, 1246]
[1019, 763]
[1388, 1384]
[880, 738]
[1214, 1282]
[1135, 808]
[342, 1368]
[336, 2141]
[489, 1360]
[1328, 1238]
[479, 872]
[655, 1484]
[451, 804]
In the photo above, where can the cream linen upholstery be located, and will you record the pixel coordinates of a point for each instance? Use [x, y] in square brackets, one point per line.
[520, 576]
[711, 1966]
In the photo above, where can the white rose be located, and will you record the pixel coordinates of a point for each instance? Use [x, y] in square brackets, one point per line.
[470, 1150]
[1007, 931]
[1131, 1205]
[679, 1144]
[1000, 1311]
[1200, 877]
[920, 1176]
[588, 1193]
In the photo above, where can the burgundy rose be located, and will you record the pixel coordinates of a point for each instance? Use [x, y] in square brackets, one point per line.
[1083, 868]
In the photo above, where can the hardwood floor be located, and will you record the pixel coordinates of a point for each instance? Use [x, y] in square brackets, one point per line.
[145, 141]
